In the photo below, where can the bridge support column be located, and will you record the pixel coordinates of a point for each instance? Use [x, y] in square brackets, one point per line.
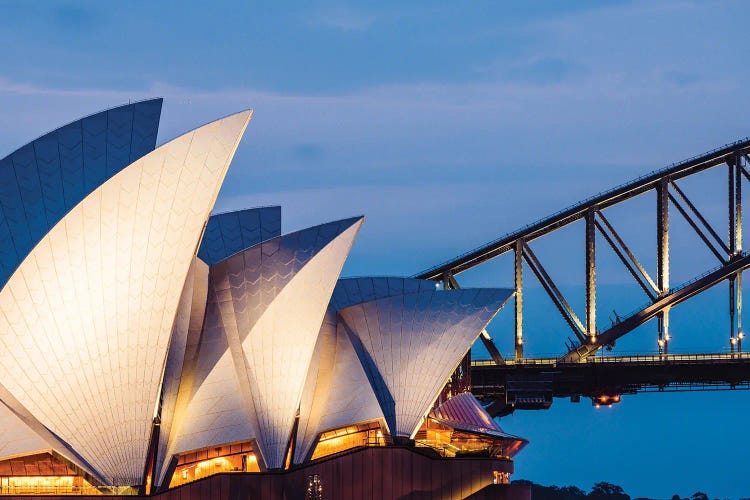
[591, 275]
[738, 310]
[735, 248]
[518, 280]
[738, 245]
[735, 313]
[662, 259]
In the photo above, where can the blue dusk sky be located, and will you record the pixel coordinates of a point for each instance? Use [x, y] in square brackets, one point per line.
[448, 125]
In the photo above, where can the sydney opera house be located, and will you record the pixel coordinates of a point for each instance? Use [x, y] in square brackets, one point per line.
[148, 347]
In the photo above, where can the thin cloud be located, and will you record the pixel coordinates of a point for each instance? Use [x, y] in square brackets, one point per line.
[344, 20]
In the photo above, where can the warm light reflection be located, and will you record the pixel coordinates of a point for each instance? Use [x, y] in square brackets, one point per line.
[449, 442]
[606, 400]
[207, 462]
[345, 438]
[45, 485]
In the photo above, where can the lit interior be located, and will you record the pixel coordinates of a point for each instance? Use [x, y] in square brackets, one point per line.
[206, 462]
[449, 442]
[45, 485]
[345, 438]
[43, 473]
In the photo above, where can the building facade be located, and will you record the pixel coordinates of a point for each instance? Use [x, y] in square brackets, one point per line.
[146, 345]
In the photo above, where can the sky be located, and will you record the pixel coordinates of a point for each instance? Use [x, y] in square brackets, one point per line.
[448, 125]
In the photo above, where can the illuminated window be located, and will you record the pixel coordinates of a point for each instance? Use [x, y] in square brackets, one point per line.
[345, 438]
[238, 457]
[42, 474]
[450, 442]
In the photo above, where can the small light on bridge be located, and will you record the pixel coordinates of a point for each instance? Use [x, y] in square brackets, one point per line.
[661, 342]
[593, 339]
[733, 340]
[605, 400]
[741, 335]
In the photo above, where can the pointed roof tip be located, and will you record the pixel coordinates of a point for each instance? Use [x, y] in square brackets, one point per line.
[154, 100]
[242, 210]
[145, 99]
[246, 114]
[342, 224]
[351, 220]
[345, 223]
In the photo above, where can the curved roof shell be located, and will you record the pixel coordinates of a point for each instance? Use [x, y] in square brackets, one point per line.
[410, 344]
[264, 310]
[337, 392]
[225, 234]
[21, 434]
[88, 314]
[43, 180]
[231, 232]
[386, 349]
[121, 301]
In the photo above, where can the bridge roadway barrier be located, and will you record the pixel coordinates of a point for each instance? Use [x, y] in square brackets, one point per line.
[533, 383]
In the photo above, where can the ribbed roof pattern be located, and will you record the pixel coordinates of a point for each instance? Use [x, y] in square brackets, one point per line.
[87, 317]
[232, 232]
[43, 180]
[410, 344]
[464, 412]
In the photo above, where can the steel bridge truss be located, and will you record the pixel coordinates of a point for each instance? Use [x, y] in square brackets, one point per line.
[732, 261]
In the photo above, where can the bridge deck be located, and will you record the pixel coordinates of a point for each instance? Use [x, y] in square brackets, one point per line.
[532, 383]
[636, 359]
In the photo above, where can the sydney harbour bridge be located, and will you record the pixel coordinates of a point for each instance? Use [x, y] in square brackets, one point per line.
[582, 370]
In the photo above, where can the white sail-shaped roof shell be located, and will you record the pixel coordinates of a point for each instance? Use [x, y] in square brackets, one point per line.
[211, 410]
[226, 234]
[264, 310]
[337, 392]
[182, 356]
[410, 344]
[85, 320]
[385, 350]
[272, 299]
[216, 413]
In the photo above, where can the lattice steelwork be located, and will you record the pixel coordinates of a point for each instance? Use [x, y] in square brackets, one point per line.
[661, 293]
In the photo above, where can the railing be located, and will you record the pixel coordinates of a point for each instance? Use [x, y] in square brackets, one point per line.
[440, 450]
[67, 490]
[452, 451]
[649, 358]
